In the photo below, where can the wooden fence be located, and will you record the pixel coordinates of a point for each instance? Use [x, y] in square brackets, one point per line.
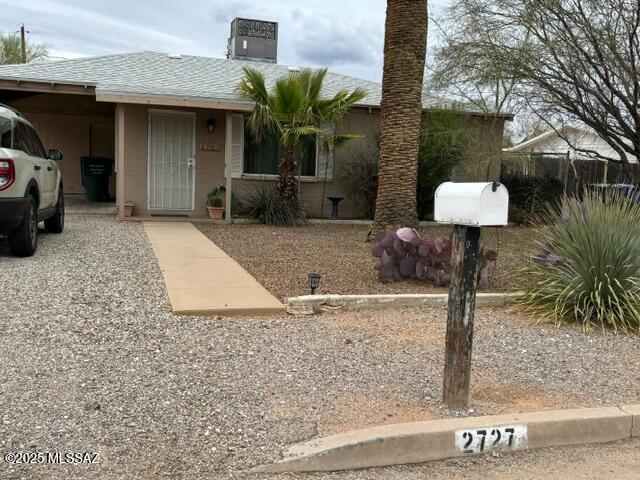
[581, 173]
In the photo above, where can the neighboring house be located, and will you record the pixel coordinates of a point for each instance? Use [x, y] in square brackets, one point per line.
[172, 123]
[581, 138]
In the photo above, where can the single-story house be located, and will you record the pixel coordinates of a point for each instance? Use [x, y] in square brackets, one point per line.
[580, 138]
[175, 126]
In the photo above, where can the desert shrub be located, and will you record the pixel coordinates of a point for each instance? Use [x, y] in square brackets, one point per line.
[403, 253]
[588, 267]
[531, 197]
[267, 205]
[357, 172]
[444, 141]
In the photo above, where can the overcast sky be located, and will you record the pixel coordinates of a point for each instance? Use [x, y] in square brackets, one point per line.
[344, 35]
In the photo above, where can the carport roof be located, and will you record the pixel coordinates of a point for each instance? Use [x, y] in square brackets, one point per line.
[182, 76]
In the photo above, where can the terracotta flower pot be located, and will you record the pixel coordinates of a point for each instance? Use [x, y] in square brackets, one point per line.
[215, 213]
[128, 208]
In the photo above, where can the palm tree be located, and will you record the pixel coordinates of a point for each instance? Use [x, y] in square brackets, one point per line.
[298, 113]
[405, 44]
[11, 50]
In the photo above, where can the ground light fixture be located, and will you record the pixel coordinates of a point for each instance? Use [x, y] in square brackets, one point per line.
[313, 280]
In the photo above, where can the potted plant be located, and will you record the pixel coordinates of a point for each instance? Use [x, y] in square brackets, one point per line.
[128, 208]
[214, 202]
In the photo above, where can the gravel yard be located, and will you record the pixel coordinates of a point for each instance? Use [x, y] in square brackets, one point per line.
[280, 258]
[93, 361]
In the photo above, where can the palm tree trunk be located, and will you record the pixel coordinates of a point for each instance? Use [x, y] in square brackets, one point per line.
[287, 177]
[405, 44]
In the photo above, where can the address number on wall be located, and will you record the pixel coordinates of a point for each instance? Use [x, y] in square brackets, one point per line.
[484, 439]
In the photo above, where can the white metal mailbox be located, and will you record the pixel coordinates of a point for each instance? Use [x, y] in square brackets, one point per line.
[476, 204]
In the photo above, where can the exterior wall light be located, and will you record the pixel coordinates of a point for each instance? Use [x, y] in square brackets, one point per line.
[313, 280]
[211, 125]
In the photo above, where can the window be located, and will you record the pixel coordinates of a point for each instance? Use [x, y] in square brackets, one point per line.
[6, 129]
[264, 158]
[27, 140]
[20, 138]
[38, 148]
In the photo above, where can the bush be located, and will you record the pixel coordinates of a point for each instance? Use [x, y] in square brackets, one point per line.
[531, 197]
[268, 206]
[403, 253]
[444, 143]
[588, 267]
[357, 172]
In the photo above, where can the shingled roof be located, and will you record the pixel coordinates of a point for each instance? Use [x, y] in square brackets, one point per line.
[185, 76]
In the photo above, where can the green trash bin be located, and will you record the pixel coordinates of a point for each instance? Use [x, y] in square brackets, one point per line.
[95, 172]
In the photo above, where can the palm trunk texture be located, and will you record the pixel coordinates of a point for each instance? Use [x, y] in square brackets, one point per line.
[287, 177]
[405, 44]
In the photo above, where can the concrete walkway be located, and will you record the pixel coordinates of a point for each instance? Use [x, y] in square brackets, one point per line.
[201, 279]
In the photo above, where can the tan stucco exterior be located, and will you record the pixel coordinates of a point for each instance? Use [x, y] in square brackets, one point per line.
[484, 152]
[209, 164]
[79, 125]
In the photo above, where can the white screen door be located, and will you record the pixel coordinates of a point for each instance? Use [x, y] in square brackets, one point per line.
[172, 148]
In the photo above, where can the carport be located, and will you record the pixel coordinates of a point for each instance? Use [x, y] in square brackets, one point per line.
[68, 117]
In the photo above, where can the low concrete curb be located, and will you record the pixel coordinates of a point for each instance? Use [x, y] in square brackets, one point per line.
[419, 442]
[355, 221]
[310, 304]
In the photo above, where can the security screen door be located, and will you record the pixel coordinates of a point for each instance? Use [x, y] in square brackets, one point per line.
[172, 150]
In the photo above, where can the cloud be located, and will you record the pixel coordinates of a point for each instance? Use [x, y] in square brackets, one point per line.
[331, 42]
[345, 35]
[107, 23]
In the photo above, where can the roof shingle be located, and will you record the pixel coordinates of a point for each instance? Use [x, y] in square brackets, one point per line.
[153, 73]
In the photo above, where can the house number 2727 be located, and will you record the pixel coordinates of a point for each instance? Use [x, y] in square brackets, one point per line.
[478, 440]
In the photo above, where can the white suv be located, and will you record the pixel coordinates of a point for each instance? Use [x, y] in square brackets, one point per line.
[30, 184]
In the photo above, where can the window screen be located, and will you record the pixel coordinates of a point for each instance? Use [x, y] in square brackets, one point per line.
[261, 158]
[264, 158]
[306, 159]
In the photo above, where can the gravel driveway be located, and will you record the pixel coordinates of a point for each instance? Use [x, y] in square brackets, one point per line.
[93, 361]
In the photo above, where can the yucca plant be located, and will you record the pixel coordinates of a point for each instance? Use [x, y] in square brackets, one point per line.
[266, 205]
[588, 268]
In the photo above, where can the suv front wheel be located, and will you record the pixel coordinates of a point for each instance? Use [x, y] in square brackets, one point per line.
[55, 224]
[24, 240]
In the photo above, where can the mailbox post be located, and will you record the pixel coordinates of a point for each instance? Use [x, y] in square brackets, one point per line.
[468, 206]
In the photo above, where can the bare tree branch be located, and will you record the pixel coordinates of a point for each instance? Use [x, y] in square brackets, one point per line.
[567, 61]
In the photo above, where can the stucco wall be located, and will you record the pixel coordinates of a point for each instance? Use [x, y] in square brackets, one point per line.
[133, 136]
[482, 162]
[485, 148]
[209, 164]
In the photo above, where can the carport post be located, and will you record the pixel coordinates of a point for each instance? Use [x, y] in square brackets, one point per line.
[119, 139]
[228, 167]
